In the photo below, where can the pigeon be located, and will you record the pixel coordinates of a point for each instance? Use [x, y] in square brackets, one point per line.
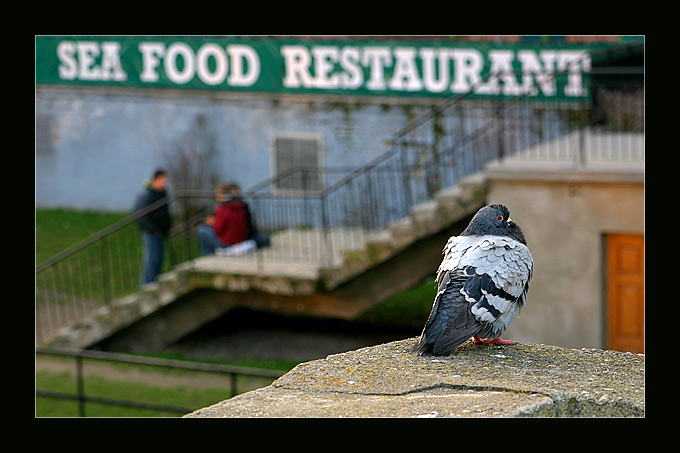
[482, 283]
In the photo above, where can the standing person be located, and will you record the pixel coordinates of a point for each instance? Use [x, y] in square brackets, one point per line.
[154, 226]
[231, 223]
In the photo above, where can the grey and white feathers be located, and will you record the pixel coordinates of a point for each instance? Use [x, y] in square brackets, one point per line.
[482, 283]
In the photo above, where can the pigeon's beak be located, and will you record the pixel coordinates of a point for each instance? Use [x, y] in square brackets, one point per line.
[511, 223]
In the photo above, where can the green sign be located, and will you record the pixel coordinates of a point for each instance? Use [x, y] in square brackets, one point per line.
[350, 67]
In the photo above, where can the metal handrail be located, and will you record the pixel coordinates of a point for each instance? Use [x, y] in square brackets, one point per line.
[447, 103]
[104, 232]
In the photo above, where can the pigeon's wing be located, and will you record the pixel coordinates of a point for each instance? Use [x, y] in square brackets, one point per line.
[463, 324]
[497, 289]
[494, 273]
[449, 302]
[506, 261]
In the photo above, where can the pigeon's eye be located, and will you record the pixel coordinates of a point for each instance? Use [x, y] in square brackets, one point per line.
[500, 217]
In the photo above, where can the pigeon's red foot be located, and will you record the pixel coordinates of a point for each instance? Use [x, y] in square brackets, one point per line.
[477, 340]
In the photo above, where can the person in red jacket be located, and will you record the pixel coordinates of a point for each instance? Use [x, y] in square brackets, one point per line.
[231, 223]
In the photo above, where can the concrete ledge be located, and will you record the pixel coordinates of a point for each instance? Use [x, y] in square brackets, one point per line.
[633, 173]
[609, 158]
[522, 380]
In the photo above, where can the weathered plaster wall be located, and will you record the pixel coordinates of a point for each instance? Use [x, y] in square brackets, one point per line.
[565, 215]
[104, 145]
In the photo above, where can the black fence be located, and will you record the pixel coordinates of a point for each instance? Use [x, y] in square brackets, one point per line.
[82, 398]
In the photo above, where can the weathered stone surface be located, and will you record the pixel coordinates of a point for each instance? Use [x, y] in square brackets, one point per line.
[474, 381]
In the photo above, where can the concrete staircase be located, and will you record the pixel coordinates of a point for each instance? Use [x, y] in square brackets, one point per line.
[311, 284]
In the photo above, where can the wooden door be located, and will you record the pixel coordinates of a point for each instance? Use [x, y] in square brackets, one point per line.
[626, 292]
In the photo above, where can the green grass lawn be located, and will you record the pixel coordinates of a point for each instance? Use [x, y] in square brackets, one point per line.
[98, 382]
[64, 382]
[107, 269]
[58, 229]
[411, 307]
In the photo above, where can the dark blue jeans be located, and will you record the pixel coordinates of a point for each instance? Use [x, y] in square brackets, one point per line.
[208, 240]
[152, 257]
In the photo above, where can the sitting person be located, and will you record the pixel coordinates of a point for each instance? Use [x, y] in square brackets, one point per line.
[230, 225]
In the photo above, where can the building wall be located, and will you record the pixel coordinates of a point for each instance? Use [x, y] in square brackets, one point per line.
[102, 146]
[564, 222]
[109, 107]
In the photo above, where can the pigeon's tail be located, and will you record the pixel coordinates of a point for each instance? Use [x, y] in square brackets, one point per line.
[442, 342]
[448, 303]
[423, 348]
[453, 336]
[441, 348]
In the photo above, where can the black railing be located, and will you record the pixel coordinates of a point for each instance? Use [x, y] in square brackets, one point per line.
[319, 224]
[82, 398]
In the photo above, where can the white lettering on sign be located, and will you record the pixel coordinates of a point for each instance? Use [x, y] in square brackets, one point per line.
[405, 77]
[501, 64]
[371, 68]
[542, 72]
[435, 76]
[151, 58]
[177, 52]
[435, 70]
[238, 54]
[352, 76]
[377, 58]
[576, 65]
[89, 60]
[219, 55]
[233, 65]
[468, 64]
[325, 59]
[296, 60]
